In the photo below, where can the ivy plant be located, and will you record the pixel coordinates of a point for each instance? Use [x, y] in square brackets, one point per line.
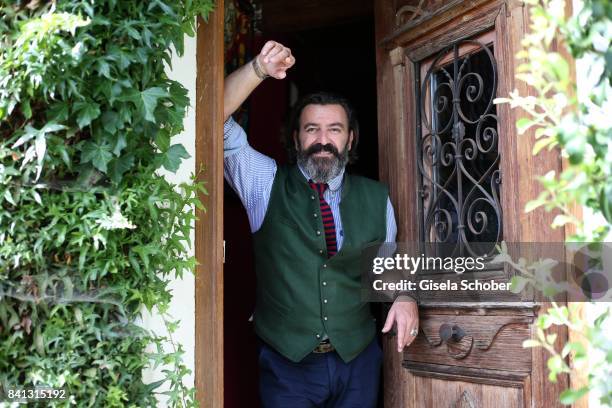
[580, 128]
[90, 233]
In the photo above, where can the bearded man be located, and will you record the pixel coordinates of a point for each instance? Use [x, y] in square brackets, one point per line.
[310, 220]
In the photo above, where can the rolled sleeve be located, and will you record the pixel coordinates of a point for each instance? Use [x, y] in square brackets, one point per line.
[234, 137]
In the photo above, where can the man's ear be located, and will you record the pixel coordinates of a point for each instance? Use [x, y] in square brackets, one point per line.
[350, 140]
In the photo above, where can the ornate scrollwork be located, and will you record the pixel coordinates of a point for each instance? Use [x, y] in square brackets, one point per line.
[416, 13]
[458, 157]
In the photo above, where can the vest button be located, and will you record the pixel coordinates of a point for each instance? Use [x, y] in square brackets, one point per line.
[320, 251]
[324, 317]
[324, 283]
[324, 300]
[312, 197]
[325, 265]
[318, 336]
[318, 232]
[315, 215]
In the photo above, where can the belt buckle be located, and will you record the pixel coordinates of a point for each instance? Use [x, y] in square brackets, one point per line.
[324, 347]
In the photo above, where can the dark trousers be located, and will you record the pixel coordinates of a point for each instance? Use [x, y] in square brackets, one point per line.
[319, 380]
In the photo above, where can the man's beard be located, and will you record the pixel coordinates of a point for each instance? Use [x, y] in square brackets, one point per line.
[322, 169]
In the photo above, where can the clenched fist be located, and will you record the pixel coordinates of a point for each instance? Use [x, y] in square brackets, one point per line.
[275, 59]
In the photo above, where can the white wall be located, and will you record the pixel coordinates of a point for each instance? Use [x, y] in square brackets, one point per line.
[183, 302]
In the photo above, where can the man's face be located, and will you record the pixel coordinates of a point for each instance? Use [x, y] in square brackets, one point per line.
[323, 141]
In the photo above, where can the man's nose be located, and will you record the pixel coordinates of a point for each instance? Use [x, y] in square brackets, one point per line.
[324, 137]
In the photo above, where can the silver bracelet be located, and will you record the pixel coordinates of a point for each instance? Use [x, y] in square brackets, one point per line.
[258, 71]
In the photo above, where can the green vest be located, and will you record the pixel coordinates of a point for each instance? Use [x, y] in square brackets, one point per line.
[301, 294]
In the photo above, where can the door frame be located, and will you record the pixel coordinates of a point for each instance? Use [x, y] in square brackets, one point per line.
[209, 251]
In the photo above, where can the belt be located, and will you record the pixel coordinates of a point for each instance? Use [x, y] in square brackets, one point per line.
[324, 347]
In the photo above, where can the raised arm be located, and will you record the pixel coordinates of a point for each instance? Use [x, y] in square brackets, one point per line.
[273, 60]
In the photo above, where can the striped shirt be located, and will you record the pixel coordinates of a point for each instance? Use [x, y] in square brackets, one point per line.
[251, 175]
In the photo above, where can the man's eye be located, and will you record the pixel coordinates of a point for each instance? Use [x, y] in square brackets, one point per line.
[311, 130]
[335, 130]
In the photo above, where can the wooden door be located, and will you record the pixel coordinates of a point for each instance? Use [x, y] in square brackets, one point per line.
[420, 42]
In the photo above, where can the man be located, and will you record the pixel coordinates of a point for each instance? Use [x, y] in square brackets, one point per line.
[310, 221]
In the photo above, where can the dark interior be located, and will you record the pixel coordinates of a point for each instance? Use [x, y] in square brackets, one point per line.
[332, 56]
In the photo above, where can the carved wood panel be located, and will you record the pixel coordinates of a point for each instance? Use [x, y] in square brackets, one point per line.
[413, 12]
[488, 342]
[459, 394]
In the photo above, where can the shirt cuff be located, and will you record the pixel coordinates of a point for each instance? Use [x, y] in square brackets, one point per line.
[414, 296]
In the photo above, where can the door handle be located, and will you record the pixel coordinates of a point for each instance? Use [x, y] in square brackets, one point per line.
[451, 332]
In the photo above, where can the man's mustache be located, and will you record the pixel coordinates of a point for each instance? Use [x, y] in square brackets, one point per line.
[319, 147]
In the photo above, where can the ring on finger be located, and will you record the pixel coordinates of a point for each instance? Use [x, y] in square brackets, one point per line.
[414, 332]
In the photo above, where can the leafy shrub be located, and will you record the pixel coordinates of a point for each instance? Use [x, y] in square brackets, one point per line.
[581, 129]
[89, 232]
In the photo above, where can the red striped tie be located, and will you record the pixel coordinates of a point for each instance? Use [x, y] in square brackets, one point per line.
[328, 219]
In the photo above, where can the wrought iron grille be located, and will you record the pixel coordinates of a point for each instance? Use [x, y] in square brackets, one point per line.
[457, 149]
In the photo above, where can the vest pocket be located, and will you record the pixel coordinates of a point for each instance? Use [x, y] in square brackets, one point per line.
[372, 243]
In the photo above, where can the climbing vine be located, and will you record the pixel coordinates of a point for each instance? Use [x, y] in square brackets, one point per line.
[90, 233]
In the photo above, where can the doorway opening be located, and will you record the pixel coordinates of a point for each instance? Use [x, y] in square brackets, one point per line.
[334, 51]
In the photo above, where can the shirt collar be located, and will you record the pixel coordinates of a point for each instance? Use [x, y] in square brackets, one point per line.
[333, 184]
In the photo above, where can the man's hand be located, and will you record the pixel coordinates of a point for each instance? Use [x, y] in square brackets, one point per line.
[275, 59]
[405, 314]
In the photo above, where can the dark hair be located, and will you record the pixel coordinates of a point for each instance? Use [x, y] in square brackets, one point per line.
[320, 98]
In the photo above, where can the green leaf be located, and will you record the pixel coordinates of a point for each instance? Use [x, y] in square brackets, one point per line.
[541, 144]
[58, 112]
[119, 166]
[570, 396]
[9, 197]
[26, 109]
[98, 154]
[148, 388]
[523, 124]
[40, 146]
[146, 101]
[86, 112]
[173, 157]
[120, 143]
[538, 202]
[559, 314]
[531, 343]
[111, 122]
[150, 98]
[575, 147]
[544, 321]
[36, 197]
[38, 341]
[517, 284]
[560, 220]
[556, 366]
[103, 68]
[162, 140]
[578, 349]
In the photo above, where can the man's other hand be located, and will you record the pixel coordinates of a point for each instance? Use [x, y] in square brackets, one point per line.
[275, 59]
[405, 314]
